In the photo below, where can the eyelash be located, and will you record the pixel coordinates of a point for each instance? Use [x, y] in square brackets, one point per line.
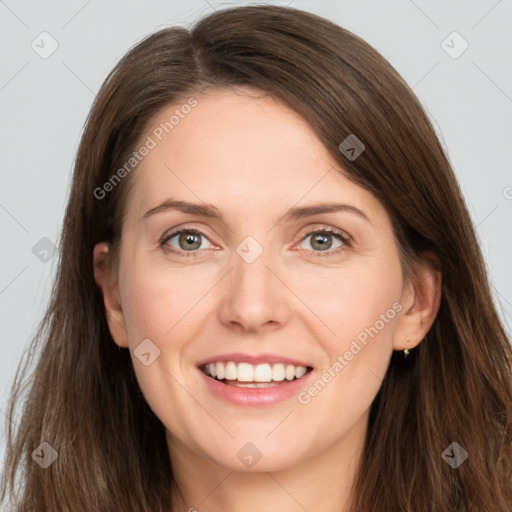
[340, 235]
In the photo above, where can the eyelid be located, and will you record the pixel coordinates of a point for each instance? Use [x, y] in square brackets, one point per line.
[178, 229]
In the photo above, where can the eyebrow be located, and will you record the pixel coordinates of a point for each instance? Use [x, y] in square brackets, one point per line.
[208, 210]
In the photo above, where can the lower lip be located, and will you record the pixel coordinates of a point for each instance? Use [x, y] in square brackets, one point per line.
[255, 396]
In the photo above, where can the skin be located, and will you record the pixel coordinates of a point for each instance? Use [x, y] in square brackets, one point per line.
[254, 159]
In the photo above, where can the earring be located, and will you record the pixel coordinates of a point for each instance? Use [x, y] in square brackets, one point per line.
[406, 350]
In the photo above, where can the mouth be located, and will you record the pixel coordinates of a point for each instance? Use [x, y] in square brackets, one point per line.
[247, 375]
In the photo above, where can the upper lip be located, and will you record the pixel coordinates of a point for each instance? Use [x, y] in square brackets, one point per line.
[239, 357]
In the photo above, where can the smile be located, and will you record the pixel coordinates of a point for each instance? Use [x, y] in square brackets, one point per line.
[253, 376]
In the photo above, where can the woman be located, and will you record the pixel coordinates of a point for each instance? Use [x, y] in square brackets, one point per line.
[269, 295]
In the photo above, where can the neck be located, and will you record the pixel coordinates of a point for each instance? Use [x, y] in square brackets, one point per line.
[321, 483]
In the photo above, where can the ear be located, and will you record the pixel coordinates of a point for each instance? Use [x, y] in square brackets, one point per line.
[107, 282]
[421, 299]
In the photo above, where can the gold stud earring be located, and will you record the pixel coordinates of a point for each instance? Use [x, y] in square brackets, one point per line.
[406, 350]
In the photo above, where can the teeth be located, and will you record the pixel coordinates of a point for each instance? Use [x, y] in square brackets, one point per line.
[261, 373]
[231, 371]
[251, 384]
[300, 371]
[220, 371]
[278, 373]
[245, 372]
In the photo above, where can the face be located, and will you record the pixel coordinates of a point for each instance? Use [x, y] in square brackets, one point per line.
[264, 284]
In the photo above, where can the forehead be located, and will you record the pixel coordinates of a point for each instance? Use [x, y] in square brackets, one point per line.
[242, 150]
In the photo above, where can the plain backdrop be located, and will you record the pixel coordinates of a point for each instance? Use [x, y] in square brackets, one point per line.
[55, 55]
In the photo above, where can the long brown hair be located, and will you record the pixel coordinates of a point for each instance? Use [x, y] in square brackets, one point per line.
[82, 396]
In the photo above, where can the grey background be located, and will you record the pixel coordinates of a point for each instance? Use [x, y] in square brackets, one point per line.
[44, 103]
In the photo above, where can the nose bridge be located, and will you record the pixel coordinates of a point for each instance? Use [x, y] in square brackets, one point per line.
[255, 296]
[251, 264]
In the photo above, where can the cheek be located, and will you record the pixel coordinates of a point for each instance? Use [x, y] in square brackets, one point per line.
[352, 299]
[155, 308]
[154, 302]
[360, 305]
[361, 310]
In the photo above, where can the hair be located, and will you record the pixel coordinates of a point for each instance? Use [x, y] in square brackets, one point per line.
[82, 396]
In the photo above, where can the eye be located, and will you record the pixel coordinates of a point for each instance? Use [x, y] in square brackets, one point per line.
[187, 240]
[322, 240]
[191, 240]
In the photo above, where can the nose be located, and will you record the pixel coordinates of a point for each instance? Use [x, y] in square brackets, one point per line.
[255, 296]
